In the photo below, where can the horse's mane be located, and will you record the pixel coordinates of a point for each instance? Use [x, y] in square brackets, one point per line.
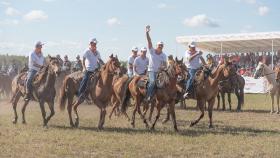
[42, 75]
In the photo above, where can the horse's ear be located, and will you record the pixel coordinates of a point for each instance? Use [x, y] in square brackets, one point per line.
[49, 56]
[182, 59]
[111, 56]
[116, 56]
[176, 59]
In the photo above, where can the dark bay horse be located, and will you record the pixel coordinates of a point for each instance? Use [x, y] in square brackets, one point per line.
[236, 84]
[43, 89]
[100, 94]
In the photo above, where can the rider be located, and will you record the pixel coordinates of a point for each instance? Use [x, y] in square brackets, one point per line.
[140, 65]
[130, 62]
[36, 62]
[66, 64]
[78, 66]
[157, 61]
[91, 62]
[192, 62]
[210, 62]
[60, 60]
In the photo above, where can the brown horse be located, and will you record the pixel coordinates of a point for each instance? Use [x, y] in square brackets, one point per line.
[234, 84]
[206, 89]
[100, 94]
[44, 90]
[167, 94]
[59, 82]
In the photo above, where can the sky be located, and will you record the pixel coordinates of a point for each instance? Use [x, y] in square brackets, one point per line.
[66, 26]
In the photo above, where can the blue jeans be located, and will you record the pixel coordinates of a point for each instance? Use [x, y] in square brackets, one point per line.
[84, 82]
[189, 84]
[152, 83]
[30, 75]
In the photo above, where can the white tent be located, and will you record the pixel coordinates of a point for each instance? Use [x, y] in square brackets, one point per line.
[230, 43]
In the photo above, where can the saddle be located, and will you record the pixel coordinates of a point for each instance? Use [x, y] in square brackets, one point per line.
[143, 82]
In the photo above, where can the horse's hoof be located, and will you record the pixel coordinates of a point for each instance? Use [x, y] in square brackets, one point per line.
[271, 112]
[132, 124]
[278, 112]
[165, 120]
[15, 121]
[152, 128]
[210, 126]
[76, 124]
[100, 127]
[24, 122]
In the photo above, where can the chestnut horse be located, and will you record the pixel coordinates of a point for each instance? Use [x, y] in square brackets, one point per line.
[206, 89]
[43, 89]
[100, 93]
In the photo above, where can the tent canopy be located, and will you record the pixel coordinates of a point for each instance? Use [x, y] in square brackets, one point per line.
[229, 43]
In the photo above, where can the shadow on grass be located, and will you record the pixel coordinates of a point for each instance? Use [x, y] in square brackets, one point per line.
[196, 131]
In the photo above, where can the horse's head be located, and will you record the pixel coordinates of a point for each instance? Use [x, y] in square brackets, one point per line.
[113, 65]
[277, 73]
[181, 69]
[54, 65]
[259, 70]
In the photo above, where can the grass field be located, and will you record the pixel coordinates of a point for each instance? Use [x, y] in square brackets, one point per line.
[251, 133]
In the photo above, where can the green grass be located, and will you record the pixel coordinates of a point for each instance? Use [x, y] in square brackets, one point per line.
[252, 133]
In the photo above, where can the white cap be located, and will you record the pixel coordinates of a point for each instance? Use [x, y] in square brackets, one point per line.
[134, 49]
[160, 43]
[143, 49]
[93, 40]
[39, 43]
[192, 44]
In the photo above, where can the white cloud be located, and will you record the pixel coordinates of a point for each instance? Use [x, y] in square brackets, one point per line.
[113, 21]
[9, 22]
[5, 3]
[263, 10]
[12, 11]
[35, 15]
[200, 20]
[248, 1]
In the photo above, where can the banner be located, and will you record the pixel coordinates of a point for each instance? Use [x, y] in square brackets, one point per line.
[255, 85]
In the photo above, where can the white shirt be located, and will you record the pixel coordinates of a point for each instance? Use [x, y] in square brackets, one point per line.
[91, 60]
[140, 65]
[130, 61]
[194, 63]
[35, 59]
[155, 60]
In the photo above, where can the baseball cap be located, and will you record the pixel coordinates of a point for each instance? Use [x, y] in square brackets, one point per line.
[135, 49]
[39, 43]
[160, 43]
[93, 40]
[192, 44]
[143, 49]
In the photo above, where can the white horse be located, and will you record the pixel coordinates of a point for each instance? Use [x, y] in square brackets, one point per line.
[263, 70]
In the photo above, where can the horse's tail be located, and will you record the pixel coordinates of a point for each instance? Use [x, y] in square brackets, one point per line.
[63, 94]
[127, 96]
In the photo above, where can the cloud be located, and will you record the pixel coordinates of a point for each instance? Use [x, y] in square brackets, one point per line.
[12, 11]
[9, 22]
[200, 21]
[164, 6]
[5, 3]
[249, 1]
[35, 15]
[113, 21]
[263, 10]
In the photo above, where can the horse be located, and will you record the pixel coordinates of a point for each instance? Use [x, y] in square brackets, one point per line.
[43, 89]
[263, 70]
[206, 89]
[234, 84]
[167, 94]
[100, 93]
[120, 83]
[59, 81]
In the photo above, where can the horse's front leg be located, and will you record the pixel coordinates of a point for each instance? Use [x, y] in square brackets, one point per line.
[229, 100]
[173, 115]
[200, 104]
[159, 107]
[278, 110]
[14, 103]
[23, 111]
[51, 106]
[272, 103]
[42, 107]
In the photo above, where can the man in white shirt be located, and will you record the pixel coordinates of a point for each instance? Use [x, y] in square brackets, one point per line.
[91, 61]
[157, 61]
[35, 63]
[140, 65]
[131, 61]
[192, 62]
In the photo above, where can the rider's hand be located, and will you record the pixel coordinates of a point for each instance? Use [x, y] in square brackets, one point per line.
[148, 28]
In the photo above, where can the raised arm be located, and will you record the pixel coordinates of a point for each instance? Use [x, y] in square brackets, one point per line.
[150, 44]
